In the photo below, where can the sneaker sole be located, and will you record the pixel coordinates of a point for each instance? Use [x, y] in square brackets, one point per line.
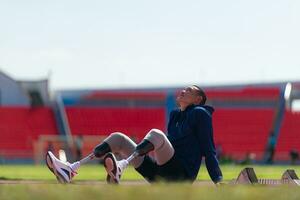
[60, 178]
[108, 160]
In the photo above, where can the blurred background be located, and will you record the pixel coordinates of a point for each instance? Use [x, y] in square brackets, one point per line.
[72, 73]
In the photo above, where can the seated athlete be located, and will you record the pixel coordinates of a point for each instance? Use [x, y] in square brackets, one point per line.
[177, 156]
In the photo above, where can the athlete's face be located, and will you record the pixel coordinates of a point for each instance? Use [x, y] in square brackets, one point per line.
[189, 96]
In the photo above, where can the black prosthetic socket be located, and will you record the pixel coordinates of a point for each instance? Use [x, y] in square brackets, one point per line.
[101, 149]
[144, 147]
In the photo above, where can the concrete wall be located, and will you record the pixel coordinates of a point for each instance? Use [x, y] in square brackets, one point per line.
[11, 93]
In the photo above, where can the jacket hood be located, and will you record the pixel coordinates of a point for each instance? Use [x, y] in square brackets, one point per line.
[210, 109]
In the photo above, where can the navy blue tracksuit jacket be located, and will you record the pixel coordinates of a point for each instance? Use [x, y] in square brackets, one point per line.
[191, 134]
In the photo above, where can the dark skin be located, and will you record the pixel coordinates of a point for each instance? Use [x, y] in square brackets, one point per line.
[188, 96]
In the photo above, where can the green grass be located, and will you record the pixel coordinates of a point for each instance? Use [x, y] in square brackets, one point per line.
[49, 189]
[144, 192]
[41, 172]
[97, 172]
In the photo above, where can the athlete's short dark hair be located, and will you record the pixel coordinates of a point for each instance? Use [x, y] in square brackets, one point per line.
[201, 93]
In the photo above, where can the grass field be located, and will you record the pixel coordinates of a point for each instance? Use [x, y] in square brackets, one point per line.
[89, 184]
[97, 172]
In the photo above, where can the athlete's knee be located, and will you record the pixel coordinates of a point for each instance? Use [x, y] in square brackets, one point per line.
[105, 146]
[118, 141]
[117, 135]
[156, 137]
[156, 133]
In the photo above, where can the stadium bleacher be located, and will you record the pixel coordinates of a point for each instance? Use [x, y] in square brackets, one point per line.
[20, 126]
[244, 93]
[243, 119]
[242, 131]
[289, 136]
[135, 122]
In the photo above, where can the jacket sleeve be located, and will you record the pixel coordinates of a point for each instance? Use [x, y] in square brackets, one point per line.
[204, 131]
[213, 168]
[171, 118]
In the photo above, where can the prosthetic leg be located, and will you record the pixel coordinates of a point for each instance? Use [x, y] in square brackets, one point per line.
[115, 168]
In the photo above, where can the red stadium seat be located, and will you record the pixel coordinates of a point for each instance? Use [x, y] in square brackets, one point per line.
[289, 136]
[20, 126]
[135, 122]
[248, 93]
[242, 131]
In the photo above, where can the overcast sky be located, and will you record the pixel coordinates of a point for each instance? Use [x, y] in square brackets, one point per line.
[136, 43]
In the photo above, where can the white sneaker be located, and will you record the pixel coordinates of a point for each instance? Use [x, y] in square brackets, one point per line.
[114, 168]
[62, 170]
